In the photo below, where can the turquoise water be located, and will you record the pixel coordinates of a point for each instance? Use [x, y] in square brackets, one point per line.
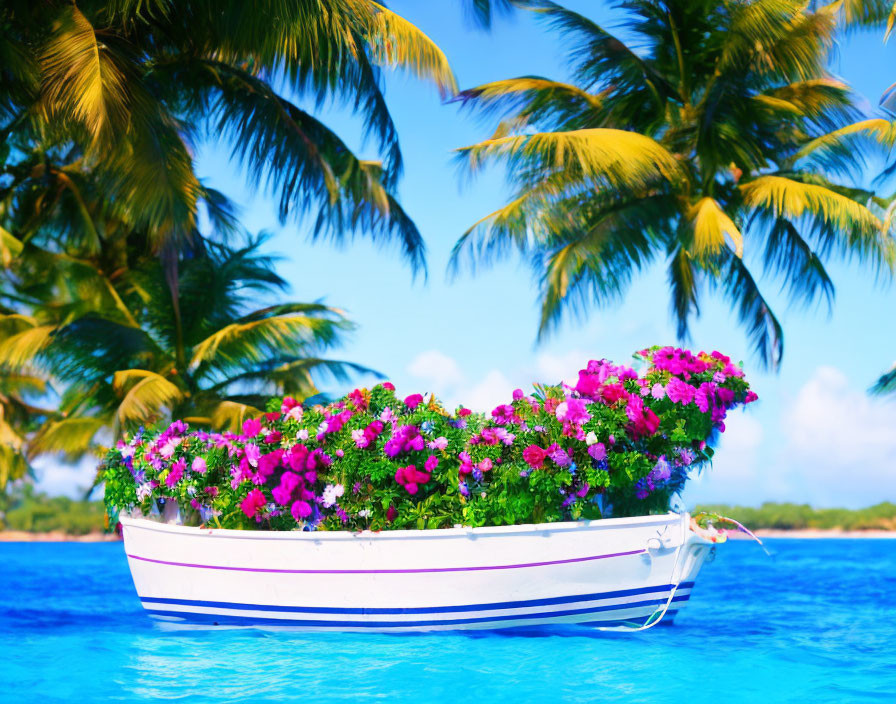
[814, 623]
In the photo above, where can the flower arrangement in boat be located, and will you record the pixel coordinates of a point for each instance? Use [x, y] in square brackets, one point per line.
[617, 443]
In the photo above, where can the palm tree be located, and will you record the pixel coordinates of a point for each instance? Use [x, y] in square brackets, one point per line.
[714, 140]
[123, 88]
[212, 360]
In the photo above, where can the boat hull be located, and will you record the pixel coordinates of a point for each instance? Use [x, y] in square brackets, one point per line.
[615, 573]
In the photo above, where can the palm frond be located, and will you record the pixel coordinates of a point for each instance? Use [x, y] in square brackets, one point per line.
[144, 394]
[230, 415]
[790, 199]
[711, 224]
[622, 159]
[753, 310]
[886, 384]
[10, 247]
[71, 437]
[262, 334]
[23, 339]
[683, 284]
[13, 465]
[395, 42]
[81, 77]
[535, 100]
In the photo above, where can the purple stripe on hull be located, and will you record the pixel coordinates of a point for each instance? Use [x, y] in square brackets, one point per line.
[402, 571]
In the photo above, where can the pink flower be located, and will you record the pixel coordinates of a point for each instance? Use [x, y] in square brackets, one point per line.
[503, 414]
[485, 465]
[439, 443]
[388, 386]
[175, 473]
[300, 509]
[273, 437]
[573, 410]
[679, 391]
[611, 393]
[391, 514]
[534, 456]
[254, 501]
[597, 451]
[517, 394]
[269, 462]
[463, 412]
[252, 454]
[413, 401]
[431, 463]
[360, 439]
[558, 455]
[751, 396]
[289, 482]
[251, 427]
[658, 390]
[199, 466]
[588, 384]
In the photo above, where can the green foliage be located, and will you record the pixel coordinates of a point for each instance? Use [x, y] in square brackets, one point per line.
[33, 512]
[788, 516]
[133, 355]
[124, 90]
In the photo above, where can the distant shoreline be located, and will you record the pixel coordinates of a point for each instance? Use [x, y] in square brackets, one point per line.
[813, 533]
[21, 536]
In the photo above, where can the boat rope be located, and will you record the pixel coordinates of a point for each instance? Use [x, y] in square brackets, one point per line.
[659, 614]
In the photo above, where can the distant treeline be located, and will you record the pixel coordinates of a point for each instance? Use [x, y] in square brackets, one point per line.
[25, 509]
[882, 516]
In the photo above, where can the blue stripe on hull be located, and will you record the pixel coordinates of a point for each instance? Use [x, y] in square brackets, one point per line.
[365, 610]
[229, 619]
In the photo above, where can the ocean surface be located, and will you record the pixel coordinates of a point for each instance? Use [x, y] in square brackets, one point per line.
[814, 623]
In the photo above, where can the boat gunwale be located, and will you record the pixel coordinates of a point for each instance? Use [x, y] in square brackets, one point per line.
[542, 529]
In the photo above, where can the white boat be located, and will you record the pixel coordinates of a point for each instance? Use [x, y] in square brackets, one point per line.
[619, 573]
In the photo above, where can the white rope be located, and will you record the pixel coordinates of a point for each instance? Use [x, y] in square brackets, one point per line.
[651, 621]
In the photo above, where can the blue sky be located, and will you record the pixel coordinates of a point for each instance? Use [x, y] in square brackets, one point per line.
[815, 436]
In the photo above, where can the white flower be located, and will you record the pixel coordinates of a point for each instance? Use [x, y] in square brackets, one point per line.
[365, 513]
[295, 413]
[302, 434]
[332, 493]
[591, 438]
[143, 491]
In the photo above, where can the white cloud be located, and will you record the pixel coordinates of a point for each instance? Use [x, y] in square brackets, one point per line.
[551, 368]
[56, 477]
[842, 442]
[438, 370]
[834, 446]
[493, 389]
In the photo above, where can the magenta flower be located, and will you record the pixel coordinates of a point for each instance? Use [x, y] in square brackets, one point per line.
[251, 427]
[175, 473]
[300, 510]
[597, 451]
[534, 456]
[413, 401]
[573, 410]
[253, 502]
[680, 391]
[503, 414]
